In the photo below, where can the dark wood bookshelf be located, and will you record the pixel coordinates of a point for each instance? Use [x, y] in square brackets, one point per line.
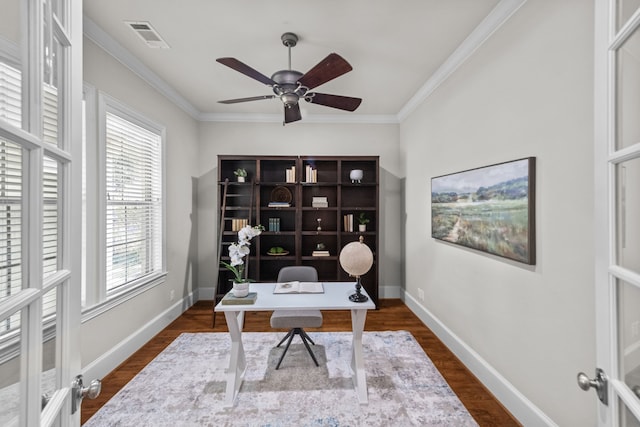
[298, 222]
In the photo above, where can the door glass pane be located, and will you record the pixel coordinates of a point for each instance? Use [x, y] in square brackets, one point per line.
[625, 9]
[10, 63]
[49, 352]
[10, 379]
[627, 419]
[52, 101]
[628, 212]
[629, 333]
[628, 92]
[51, 217]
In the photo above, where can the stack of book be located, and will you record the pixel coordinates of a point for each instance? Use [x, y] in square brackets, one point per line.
[238, 223]
[320, 253]
[348, 222]
[290, 174]
[279, 204]
[310, 174]
[274, 224]
[319, 202]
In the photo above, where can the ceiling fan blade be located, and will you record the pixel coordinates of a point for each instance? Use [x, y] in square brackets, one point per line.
[253, 98]
[328, 69]
[292, 114]
[334, 101]
[246, 70]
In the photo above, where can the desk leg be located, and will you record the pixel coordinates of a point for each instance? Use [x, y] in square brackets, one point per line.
[237, 361]
[358, 318]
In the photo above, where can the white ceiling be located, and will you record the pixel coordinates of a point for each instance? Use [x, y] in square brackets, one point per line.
[394, 46]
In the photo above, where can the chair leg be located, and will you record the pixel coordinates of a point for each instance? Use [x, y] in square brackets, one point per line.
[290, 335]
[303, 333]
[306, 344]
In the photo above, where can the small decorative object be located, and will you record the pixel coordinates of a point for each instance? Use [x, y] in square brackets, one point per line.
[356, 259]
[321, 246]
[356, 176]
[319, 228]
[237, 251]
[362, 222]
[241, 174]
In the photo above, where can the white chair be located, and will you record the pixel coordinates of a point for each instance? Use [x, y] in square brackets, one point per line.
[296, 320]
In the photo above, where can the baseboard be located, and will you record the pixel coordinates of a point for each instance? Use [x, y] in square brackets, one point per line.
[110, 360]
[205, 294]
[515, 402]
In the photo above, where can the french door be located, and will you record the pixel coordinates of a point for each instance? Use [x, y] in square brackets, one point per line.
[617, 212]
[40, 189]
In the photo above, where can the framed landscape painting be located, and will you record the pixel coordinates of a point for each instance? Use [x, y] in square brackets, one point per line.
[491, 209]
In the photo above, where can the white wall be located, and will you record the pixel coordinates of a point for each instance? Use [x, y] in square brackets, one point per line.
[101, 334]
[526, 92]
[301, 138]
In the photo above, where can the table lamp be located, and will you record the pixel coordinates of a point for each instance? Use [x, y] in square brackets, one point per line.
[356, 259]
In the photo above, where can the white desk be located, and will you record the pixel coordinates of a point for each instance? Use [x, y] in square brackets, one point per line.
[335, 297]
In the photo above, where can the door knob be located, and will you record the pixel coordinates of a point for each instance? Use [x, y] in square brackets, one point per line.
[599, 383]
[80, 392]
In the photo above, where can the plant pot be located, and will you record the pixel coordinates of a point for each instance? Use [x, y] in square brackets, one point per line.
[241, 179]
[362, 227]
[240, 289]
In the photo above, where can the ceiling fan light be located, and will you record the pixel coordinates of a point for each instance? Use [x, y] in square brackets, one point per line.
[289, 99]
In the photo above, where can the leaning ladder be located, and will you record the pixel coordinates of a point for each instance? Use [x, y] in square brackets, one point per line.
[224, 217]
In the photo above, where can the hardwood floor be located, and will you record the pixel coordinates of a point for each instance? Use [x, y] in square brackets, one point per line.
[392, 315]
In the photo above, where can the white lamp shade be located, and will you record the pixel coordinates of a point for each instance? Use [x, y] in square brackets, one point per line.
[356, 258]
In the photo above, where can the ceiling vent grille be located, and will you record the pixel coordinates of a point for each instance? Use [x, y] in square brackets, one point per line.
[148, 34]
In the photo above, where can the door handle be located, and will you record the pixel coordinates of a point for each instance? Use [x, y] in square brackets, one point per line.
[79, 392]
[600, 383]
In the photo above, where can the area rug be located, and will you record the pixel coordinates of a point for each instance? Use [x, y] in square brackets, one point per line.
[185, 384]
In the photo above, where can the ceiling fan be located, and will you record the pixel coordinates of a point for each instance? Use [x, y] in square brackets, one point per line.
[291, 85]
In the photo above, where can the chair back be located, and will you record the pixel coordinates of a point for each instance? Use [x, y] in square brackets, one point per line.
[301, 273]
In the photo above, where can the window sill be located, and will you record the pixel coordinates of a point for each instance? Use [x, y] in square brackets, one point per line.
[121, 297]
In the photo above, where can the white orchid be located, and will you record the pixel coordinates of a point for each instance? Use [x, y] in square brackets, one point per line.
[238, 250]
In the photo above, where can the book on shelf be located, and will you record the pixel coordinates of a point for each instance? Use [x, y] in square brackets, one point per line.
[320, 253]
[230, 299]
[296, 287]
[290, 175]
[348, 222]
[238, 223]
[310, 174]
[319, 202]
[274, 224]
[279, 204]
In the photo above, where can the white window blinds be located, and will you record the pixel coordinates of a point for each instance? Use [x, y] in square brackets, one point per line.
[134, 202]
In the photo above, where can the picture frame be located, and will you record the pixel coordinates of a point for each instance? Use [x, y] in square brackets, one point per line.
[490, 209]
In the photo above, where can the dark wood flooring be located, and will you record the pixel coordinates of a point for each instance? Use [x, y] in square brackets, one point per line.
[392, 315]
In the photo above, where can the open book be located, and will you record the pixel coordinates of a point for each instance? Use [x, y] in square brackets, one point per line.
[296, 287]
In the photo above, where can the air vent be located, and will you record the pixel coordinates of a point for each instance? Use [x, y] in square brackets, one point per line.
[148, 34]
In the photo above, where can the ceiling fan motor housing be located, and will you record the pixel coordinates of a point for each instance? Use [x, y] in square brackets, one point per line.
[287, 86]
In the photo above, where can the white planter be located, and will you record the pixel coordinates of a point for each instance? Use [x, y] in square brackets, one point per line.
[240, 290]
[241, 179]
[362, 227]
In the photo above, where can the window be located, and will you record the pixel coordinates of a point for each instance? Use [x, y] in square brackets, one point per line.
[132, 206]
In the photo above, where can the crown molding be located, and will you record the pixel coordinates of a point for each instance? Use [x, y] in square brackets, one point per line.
[96, 34]
[308, 118]
[494, 20]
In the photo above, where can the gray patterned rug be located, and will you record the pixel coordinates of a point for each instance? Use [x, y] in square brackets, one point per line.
[185, 384]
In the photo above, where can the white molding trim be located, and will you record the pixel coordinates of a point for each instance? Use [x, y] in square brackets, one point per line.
[520, 407]
[205, 294]
[317, 118]
[110, 360]
[494, 20]
[388, 292]
[115, 49]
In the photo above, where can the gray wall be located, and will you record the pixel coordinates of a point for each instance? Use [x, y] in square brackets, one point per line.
[102, 333]
[528, 91]
[300, 139]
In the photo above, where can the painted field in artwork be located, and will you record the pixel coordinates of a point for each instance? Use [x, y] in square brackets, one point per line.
[486, 209]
